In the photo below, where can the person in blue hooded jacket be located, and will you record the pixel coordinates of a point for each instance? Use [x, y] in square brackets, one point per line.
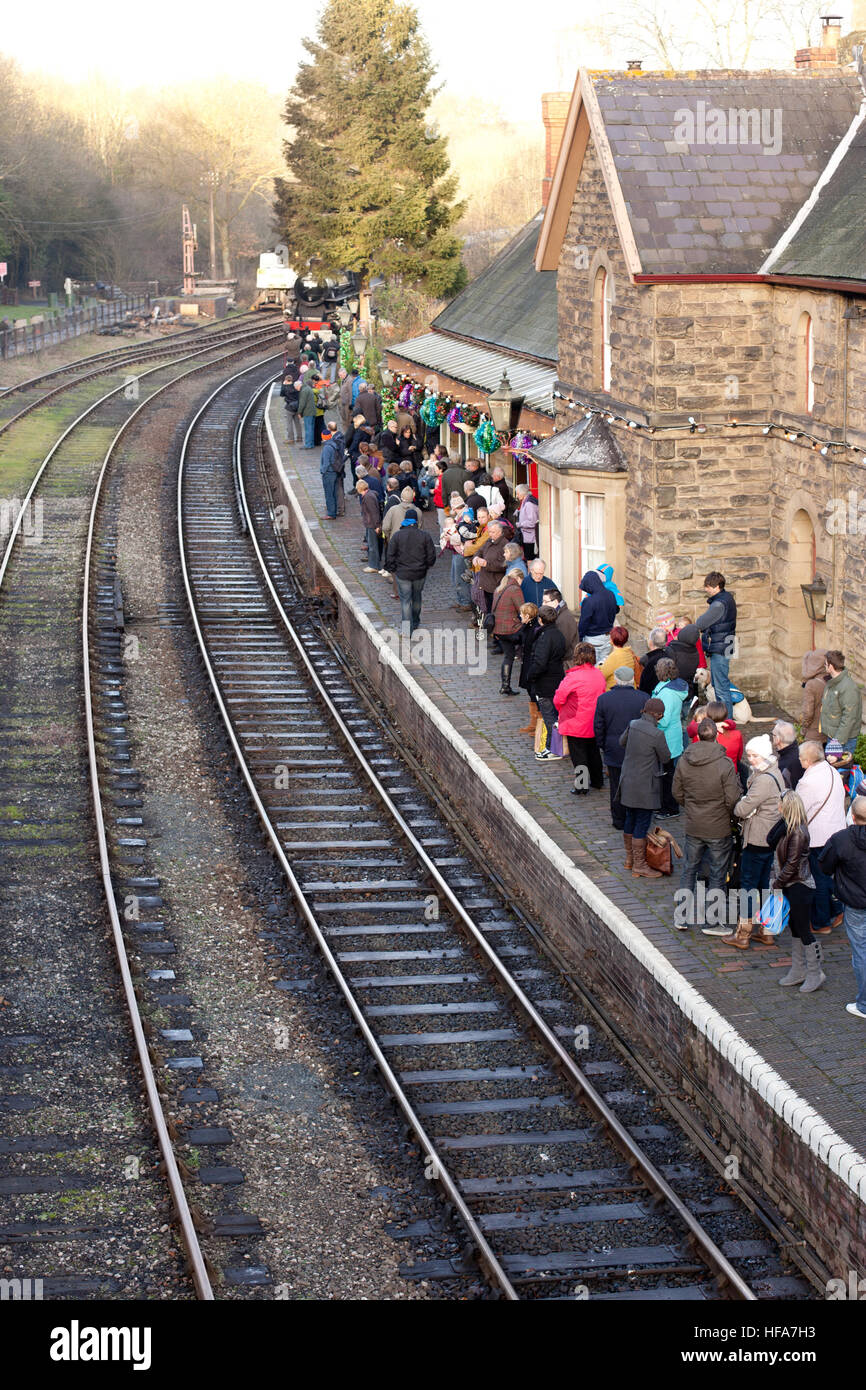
[597, 612]
[672, 691]
[606, 572]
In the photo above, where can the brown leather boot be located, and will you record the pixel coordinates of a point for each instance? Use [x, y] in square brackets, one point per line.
[741, 937]
[760, 933]
[533, 719]
[629, 853]
[640, 868]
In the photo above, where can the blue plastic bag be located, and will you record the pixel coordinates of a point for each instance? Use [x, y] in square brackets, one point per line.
[773, 913]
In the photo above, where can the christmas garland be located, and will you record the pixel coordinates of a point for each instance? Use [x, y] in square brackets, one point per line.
[520, 444]
[389, 408]
[347, 352]
[434, 410]
[486, 438]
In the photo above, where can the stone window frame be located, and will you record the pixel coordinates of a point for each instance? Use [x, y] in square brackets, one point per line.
[602, 305]
[803, 321]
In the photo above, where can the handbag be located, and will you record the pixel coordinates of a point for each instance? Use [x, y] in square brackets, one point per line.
[773, 914]
[659, 844]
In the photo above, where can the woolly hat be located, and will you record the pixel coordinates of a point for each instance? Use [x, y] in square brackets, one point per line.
[762, 747]
[833, 748]
[624, 675]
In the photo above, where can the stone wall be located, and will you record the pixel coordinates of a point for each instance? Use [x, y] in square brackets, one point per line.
[693, 502]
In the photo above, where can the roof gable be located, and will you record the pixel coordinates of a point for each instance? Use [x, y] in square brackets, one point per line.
[710, 168]
[510, 304]
[829, 240]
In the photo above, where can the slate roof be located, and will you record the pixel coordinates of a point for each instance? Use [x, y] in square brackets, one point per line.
[831, 241]
[510, 304]
[480, 367]
[703, 207]
[587, 444]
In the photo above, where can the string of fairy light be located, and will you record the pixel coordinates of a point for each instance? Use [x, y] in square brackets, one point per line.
[819, 443]
[771, 428]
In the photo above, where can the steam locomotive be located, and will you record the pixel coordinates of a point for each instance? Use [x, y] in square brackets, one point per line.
[304, 298]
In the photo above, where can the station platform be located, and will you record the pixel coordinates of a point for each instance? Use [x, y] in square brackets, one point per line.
[810, 1042]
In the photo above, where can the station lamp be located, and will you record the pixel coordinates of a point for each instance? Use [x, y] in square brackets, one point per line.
[505, 406]
[359, 345]
[816, 600]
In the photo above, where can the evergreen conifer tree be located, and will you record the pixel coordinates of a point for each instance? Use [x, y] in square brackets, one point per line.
[369, 188]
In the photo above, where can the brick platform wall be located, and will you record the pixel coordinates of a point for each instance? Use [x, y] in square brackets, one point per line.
[785, 1148]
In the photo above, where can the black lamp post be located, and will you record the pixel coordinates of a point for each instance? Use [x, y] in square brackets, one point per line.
[505, 406]
[816, 600]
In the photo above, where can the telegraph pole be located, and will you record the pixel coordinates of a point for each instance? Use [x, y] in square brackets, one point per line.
[210, 179]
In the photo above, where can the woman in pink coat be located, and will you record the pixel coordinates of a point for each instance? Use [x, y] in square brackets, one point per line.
[576, 698]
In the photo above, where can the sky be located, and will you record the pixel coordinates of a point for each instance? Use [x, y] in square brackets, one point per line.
[481, 47]
[501, 50]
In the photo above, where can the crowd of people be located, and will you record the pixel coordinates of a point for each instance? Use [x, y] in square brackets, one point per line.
[775, 820]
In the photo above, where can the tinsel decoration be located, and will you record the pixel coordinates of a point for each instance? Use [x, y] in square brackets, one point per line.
[433, 410]
[486, 438]
[404, 399]
[389, 407]
[347, 354]
[455, 417]
[521, 444]
[471, 416]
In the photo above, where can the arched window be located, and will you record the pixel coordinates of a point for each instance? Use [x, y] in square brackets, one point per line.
[601, 301]
[805, 363]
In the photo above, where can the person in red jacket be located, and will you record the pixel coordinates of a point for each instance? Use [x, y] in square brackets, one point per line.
[728, 736]
[576, 698]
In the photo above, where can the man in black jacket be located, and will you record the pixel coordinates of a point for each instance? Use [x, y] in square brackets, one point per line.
[844, 856]
[657, 649]
[546, 672]
[614, 711]
[411, 554]
[718, 627]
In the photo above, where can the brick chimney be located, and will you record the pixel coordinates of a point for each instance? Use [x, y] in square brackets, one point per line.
[554, 113]
[820, 59]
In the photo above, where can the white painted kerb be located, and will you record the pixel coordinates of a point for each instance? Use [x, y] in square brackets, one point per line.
[796, 1112]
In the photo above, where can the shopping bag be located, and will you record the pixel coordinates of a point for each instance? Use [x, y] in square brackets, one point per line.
[558, 743]
[540, 736]
[773, 913]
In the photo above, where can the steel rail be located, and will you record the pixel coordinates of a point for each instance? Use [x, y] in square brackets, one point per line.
[439, 1170]
[189, 1235]
[648, 1170]
[116, 352]
[653, 1179]
[16, 526]
[145, 354]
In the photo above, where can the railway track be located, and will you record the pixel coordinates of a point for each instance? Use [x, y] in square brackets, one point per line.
[86, 1208]
[74, 374]
[561, 1189]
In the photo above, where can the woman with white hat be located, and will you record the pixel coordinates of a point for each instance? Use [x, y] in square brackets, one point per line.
[759, 811]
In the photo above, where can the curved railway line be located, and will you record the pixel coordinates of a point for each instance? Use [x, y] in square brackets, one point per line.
[71, 375]
[86, 1206]
[563, 1179]
[554, 1183]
